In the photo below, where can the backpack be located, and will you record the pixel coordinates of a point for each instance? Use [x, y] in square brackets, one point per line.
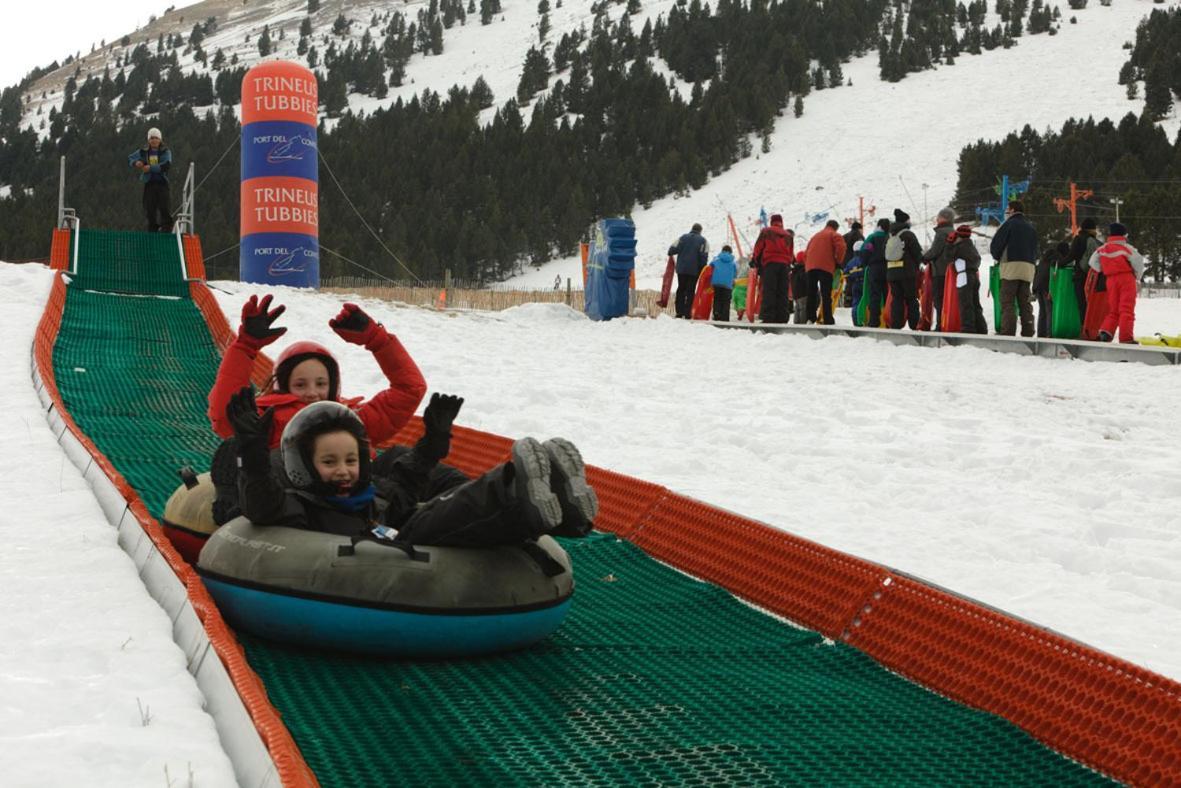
[895, 248]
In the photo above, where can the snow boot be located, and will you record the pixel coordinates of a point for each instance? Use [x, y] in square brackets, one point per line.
[1104, 336]
[531, 485]
[579, 502]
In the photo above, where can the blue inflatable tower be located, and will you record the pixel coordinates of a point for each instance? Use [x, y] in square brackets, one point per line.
[609, 265]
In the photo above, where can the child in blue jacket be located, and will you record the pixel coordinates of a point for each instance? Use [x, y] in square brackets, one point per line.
[725, 269]
[153, 163]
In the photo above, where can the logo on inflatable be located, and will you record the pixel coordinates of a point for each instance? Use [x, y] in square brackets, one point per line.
[292, 149]
[285, 264]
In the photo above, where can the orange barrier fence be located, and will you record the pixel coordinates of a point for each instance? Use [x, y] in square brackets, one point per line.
[1105, 712]
[194, 258]
[59, 250]
[292, 769]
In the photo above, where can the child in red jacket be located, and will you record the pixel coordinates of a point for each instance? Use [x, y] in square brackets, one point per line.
[306, 372]
[1122, 266]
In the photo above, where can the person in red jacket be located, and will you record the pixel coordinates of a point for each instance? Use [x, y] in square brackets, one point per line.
[771, 255]
[306, 372]
[825, 251]
[1122, 267]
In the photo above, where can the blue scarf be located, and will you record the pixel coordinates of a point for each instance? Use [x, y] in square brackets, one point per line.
[352, 503]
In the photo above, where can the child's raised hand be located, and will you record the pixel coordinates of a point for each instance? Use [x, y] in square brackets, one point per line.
[353, 325]
[242, 413]
[256, 327]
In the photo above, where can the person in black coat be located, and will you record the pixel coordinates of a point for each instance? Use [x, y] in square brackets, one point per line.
[329, 486]
[1081, 249]
[903, 254]
[692, 256]
[1014, 247]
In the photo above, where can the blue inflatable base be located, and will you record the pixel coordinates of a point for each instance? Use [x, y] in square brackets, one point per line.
[380, 632]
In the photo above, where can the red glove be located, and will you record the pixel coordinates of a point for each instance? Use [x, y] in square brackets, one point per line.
[255, 330]
[353, 325]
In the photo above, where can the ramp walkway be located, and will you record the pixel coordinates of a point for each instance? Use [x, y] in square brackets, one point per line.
[1023, 346]
[657, 677]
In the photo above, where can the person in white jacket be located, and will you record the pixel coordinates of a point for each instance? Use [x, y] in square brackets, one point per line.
[1122, 266]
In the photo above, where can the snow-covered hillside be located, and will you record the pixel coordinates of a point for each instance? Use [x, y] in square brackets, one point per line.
[895, 144]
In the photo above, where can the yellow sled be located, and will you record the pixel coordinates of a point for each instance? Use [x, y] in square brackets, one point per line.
[1161, 340]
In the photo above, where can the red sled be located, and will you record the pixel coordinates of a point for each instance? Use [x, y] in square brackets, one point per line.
[926, 302]
[754, 294]
[950, 322]
[666, 284]
[1096, 307]
[703, 299]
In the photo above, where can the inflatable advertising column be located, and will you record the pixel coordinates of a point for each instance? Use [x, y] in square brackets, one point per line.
[280, 195]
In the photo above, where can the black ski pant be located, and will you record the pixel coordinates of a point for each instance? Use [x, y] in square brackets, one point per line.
[875, 280]
[1044, 310]
[158, 206]
[971, 312]
[937, 282]
[904, 306]
[722, 303]
[820, 295]
[480, 513]
[774, 283]
[686, 289]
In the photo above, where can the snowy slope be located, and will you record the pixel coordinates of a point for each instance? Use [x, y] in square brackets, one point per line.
[873, 139]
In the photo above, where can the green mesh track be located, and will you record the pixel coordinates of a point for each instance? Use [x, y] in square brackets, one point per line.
[123, 262]
[654, 679]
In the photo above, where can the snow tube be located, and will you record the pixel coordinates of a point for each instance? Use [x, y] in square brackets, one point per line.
[703, 298]
[188, 517]
[1064, 318]
[754, 294]
[317, 590]
[666, 282]
[926, 300]
[950, 321]
[1096, 306]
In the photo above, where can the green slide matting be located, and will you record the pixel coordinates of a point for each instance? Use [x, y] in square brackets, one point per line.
[654, 679]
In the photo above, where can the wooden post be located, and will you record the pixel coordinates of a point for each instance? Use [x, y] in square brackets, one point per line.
[569, 293]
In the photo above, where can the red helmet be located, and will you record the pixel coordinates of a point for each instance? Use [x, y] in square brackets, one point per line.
[300, 351]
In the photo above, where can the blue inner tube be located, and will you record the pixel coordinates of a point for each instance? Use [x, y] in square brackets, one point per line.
[313, 589]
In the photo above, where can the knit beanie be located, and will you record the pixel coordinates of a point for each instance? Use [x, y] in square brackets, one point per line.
[1117, 229]
[155, 132]
[901, 216]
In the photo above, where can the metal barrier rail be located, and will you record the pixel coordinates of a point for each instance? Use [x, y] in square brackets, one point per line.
[1022, 346]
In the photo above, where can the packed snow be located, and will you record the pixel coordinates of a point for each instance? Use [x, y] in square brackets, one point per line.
[1046, 488]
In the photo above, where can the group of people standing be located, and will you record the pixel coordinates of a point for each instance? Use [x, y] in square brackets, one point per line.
[887, 266]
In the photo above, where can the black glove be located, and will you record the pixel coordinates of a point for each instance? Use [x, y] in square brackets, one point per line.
[256, 329]
[252, 430]
[440, 413]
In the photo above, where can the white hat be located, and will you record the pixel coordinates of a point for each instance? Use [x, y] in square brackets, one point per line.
[155, 132]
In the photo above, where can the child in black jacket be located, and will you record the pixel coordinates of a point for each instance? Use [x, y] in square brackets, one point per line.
[325, 454]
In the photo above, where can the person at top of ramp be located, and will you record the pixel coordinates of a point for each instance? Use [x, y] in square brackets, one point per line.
[153, 162]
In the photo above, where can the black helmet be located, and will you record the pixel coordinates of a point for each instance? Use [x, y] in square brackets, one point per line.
[299, 437]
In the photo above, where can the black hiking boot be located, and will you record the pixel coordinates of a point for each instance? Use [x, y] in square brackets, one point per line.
[579, 502]
[531, 485]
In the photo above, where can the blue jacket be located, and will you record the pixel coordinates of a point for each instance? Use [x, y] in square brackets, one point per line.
[725, 269]
[690, 253]
[158, 169]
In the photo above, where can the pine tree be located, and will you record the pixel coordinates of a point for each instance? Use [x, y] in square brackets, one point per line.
[264, 42]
